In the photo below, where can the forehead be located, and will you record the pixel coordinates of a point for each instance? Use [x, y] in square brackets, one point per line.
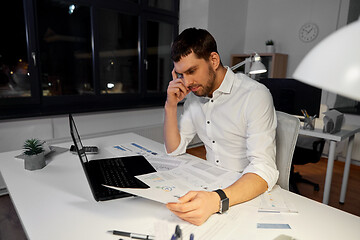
[188, 62]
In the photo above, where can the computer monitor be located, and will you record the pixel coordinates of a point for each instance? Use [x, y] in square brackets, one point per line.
[291, 96]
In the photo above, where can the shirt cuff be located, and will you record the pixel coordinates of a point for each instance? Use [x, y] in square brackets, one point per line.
[268, 173]
[181, 149]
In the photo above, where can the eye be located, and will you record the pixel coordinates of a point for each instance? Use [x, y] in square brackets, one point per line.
[191, 71]
[179, 75]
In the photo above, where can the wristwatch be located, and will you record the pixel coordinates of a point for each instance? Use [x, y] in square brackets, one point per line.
[224, 201]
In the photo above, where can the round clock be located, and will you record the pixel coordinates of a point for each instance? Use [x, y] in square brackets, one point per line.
[308, 32]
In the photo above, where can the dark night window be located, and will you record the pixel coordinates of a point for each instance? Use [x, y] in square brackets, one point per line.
[61, 56]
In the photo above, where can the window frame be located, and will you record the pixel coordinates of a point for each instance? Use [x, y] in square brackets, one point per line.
[39, 105]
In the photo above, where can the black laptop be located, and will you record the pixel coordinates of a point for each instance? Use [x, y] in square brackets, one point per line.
[119, 171]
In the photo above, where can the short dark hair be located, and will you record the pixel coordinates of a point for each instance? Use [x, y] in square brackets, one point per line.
[199, 41]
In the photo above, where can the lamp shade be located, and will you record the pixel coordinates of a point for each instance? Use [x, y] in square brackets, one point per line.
[334, 64]
[257, 67]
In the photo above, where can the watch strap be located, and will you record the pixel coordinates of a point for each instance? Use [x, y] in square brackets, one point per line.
[224, 201]
[221, 194]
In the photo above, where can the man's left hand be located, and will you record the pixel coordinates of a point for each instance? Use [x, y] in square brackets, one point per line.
[196, 206]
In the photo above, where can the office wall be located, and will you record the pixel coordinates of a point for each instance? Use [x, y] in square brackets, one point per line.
[227, 22]
[193, 14]
[281, 20]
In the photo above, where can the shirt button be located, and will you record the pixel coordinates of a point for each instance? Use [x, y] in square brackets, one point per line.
[208, 122]
[217, 161]
[211, 100]
[213, 141]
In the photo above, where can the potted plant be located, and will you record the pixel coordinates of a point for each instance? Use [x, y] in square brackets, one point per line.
[270, 46]
[34, 154]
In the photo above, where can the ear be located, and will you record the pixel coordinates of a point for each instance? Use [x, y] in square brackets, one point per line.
[214, 60]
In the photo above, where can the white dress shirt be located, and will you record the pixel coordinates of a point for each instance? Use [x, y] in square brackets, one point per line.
[237, 126]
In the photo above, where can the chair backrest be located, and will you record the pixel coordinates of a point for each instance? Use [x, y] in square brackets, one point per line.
[304, 155]
[286, 135]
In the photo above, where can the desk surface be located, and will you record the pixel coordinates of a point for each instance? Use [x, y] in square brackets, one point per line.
[345, 132]
[56, 202]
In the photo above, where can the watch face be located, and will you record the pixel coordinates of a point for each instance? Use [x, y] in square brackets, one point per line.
[225, 205]
[308, 32]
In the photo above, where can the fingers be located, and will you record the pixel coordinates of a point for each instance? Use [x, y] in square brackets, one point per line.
[186, 203]
[173, 73]
[176, 91]
[177, 84]
[195, 206]
[188, 197]
[189, 208]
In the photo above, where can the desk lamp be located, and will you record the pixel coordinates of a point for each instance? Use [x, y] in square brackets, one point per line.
[256, 64]
[334, 64]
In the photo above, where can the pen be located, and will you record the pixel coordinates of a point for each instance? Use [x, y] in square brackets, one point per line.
[132, 235]
[178, 232]
[307, 115]
[174, 237]
[192, 236]
[302, 111]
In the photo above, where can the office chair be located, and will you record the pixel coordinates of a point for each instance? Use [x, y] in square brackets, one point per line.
[302, 156]
[286, 136]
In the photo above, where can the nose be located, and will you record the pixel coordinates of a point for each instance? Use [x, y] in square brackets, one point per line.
[187, 81]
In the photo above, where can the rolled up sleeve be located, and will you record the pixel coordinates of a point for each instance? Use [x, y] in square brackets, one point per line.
[261, 132]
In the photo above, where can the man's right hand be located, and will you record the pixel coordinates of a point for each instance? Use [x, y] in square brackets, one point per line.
[176, 90]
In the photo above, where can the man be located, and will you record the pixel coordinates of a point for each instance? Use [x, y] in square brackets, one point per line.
[232, 114]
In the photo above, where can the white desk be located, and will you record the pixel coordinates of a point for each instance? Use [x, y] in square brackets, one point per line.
[56, 203]
[346, 132]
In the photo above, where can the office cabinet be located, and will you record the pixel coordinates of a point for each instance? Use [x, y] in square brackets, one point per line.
[275, 63]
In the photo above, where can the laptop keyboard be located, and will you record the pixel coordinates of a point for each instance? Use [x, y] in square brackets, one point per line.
[115, 174]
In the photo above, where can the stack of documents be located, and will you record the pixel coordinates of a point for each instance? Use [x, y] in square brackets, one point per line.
[168, 186]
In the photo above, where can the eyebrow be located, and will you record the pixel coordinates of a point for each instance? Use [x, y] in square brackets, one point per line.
[193, 68]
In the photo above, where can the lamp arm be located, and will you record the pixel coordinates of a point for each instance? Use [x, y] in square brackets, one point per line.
[247, 60]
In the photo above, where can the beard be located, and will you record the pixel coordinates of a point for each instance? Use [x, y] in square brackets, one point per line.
[206, 90]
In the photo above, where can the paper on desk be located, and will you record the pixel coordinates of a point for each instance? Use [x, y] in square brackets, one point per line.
[273, 201]
[196, 175]
[218, 226]
[159, 161]
[130, 149]
[168, 186]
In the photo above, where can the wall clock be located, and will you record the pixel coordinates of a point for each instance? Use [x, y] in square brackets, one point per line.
[308, 32]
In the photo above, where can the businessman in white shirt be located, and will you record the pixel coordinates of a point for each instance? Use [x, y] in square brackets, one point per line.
[231, 113]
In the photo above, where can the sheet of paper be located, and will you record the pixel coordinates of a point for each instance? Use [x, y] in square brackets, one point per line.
[130, 149]
[161, 162]
[273, 201]
[218, 226]
[168, 186]
[163, 193]
[196, 175]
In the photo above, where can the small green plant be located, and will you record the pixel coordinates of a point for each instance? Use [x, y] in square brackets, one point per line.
[33, 146]
[269, 42]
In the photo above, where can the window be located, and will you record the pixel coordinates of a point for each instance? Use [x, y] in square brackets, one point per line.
[118, 52]
[64, 35]
[66, 56]
[14, 67]
[159, 64]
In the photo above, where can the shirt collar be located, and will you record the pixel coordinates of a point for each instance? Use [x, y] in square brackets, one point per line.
[227, 83]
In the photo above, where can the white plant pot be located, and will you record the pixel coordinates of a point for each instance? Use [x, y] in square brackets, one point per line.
[34, 162]
[270, 48]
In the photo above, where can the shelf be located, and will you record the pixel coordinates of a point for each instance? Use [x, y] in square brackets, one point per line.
[275, 63]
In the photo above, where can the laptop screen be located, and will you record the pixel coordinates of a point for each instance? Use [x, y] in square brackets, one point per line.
[77, 142]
